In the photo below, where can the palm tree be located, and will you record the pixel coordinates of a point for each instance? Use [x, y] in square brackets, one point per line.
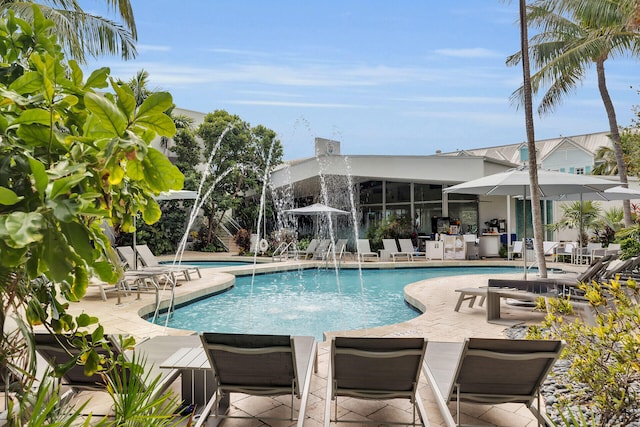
[583, 215]
[536, 212]
[575, 34]
[80, 33]
[605, 161]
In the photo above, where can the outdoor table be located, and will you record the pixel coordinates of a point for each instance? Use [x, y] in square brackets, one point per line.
[492, 296]
[197, 377]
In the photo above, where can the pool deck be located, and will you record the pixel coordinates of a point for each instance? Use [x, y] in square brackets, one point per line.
[439, 322]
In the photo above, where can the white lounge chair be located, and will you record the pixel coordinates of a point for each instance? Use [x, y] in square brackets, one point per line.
[392, 248]
[406, 245]
[364, 251]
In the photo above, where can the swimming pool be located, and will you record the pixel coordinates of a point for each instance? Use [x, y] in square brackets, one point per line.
[214, 264]
[311, 302]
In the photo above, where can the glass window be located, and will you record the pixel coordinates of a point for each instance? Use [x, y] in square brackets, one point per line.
[427, 192]
[371, 192]
[424, 213]
[466, 213]
[398, 192]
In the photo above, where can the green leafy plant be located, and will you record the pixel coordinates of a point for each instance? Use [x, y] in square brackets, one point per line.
[71, 158]
[604, 356]
[243, 239]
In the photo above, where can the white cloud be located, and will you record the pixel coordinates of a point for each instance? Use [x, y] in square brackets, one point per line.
[152, 48]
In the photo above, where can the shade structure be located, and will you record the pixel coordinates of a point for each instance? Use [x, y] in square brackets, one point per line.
[177, 195]
[610, 194]
[316, 209]
[516, 181]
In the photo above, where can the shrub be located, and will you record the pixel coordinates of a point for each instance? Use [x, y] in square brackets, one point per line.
[243, 239]
[605, 367]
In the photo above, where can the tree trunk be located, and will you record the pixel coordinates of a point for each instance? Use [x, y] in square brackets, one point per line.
[536, 213]
[615, 136]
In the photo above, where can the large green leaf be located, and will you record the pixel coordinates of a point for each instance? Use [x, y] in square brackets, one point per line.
[35, 135]
[160, 173]
[156, 103]
[159, 123]
[54, 255]
[12, 257]
[20, 229]
[65, 184]
[29, 82]
[107, 113]
[80, 240]
[151, 213]
[64, 210]
[97, 79]
[126, 101]
[35, 115]
[39, 174]
[8, 197]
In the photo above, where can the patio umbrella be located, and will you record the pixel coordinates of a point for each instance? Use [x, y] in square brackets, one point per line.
[316, 210]
[610, 194]
[515, 182]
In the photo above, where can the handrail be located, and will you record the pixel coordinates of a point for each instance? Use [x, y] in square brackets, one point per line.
[281, 251]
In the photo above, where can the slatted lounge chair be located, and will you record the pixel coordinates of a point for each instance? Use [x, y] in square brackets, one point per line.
[322, 250]
[160, 274]
[262, 365]
[308, 252]
[377, 369]
[489, 371]
[149, 260]
[392, 248]
[364, 251]
[58, 350]
[407, 246]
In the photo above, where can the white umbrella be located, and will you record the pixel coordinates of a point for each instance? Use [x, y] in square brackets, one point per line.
[316, 209]
[177, 195]
[516, 182]
[610, 194]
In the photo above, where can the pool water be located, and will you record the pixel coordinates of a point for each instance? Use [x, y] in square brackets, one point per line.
[214, 264]
[311, 302]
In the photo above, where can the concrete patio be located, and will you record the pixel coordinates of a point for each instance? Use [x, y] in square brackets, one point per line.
[439, 322]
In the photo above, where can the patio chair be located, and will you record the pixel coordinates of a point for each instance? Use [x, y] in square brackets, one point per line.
[322, 250]
[341, 248]
[59, 350]
[406, 245]
[392, 248]
[490, 371]
[516, 250]
[308, 252]
[159, 273]
[149, 260]
[375, 369]
[259, 365]
[364, 251]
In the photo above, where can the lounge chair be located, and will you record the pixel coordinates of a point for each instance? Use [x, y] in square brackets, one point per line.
[263, 365]
[308, 252]
[58, 350]
[489, 371]
[322, 250]
[406, 245]
[149, 260]
[136, 269]
[364, 250]
[516, 250]
[392, 248]
[375, 368]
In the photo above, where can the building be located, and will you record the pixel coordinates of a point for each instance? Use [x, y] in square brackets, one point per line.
[409, 189]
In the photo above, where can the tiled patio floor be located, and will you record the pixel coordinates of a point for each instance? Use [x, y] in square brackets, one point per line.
[439, 322]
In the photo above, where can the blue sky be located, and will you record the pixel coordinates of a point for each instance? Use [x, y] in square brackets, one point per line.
[403, 77]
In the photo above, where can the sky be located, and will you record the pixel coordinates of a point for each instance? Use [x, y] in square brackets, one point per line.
[406, 77]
